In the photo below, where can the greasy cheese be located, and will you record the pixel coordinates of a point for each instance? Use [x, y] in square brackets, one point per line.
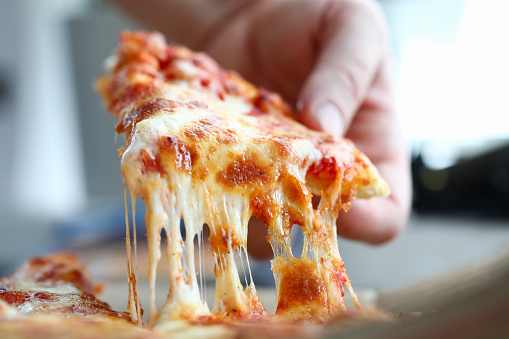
[204, 146]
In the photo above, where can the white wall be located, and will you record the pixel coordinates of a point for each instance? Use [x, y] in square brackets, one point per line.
[46, 178]
[452, 70]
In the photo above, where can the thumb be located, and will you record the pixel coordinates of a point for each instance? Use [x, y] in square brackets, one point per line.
[351, 45]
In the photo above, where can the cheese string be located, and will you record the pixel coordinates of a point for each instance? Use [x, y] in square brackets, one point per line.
[134, 305]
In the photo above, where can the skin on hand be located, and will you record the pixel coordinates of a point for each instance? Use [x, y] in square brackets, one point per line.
[329, 59]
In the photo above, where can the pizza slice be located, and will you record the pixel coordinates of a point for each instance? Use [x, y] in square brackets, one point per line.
[53, 297]
[55, 284]
[205, 146]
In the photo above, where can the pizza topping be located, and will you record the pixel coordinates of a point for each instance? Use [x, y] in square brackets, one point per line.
[244, 171]
[236, 152]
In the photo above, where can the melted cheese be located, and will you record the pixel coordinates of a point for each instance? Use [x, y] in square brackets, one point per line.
[59, 288]
[8, 312]
[205, 146]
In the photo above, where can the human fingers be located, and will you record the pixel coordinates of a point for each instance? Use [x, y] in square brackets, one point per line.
[351, 43]
[375, 130]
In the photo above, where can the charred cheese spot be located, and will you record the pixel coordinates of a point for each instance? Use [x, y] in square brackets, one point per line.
[144, 111]
[300, 284]
[183, 155]
[170, 150]
[245, 171]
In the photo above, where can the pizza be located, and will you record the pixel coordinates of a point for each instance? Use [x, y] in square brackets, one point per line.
[204, 146]
[206, 149]
[53, 296]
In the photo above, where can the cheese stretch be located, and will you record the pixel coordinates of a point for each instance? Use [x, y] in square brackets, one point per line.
[205, 146]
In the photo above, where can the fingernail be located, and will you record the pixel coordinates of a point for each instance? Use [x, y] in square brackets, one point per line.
[329, 119]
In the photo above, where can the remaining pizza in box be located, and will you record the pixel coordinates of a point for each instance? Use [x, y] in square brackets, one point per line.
[53, 297]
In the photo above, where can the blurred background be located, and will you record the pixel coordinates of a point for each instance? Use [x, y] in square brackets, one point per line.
[60, 182]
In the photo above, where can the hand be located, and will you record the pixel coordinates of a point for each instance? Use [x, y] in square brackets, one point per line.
[331, 60]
